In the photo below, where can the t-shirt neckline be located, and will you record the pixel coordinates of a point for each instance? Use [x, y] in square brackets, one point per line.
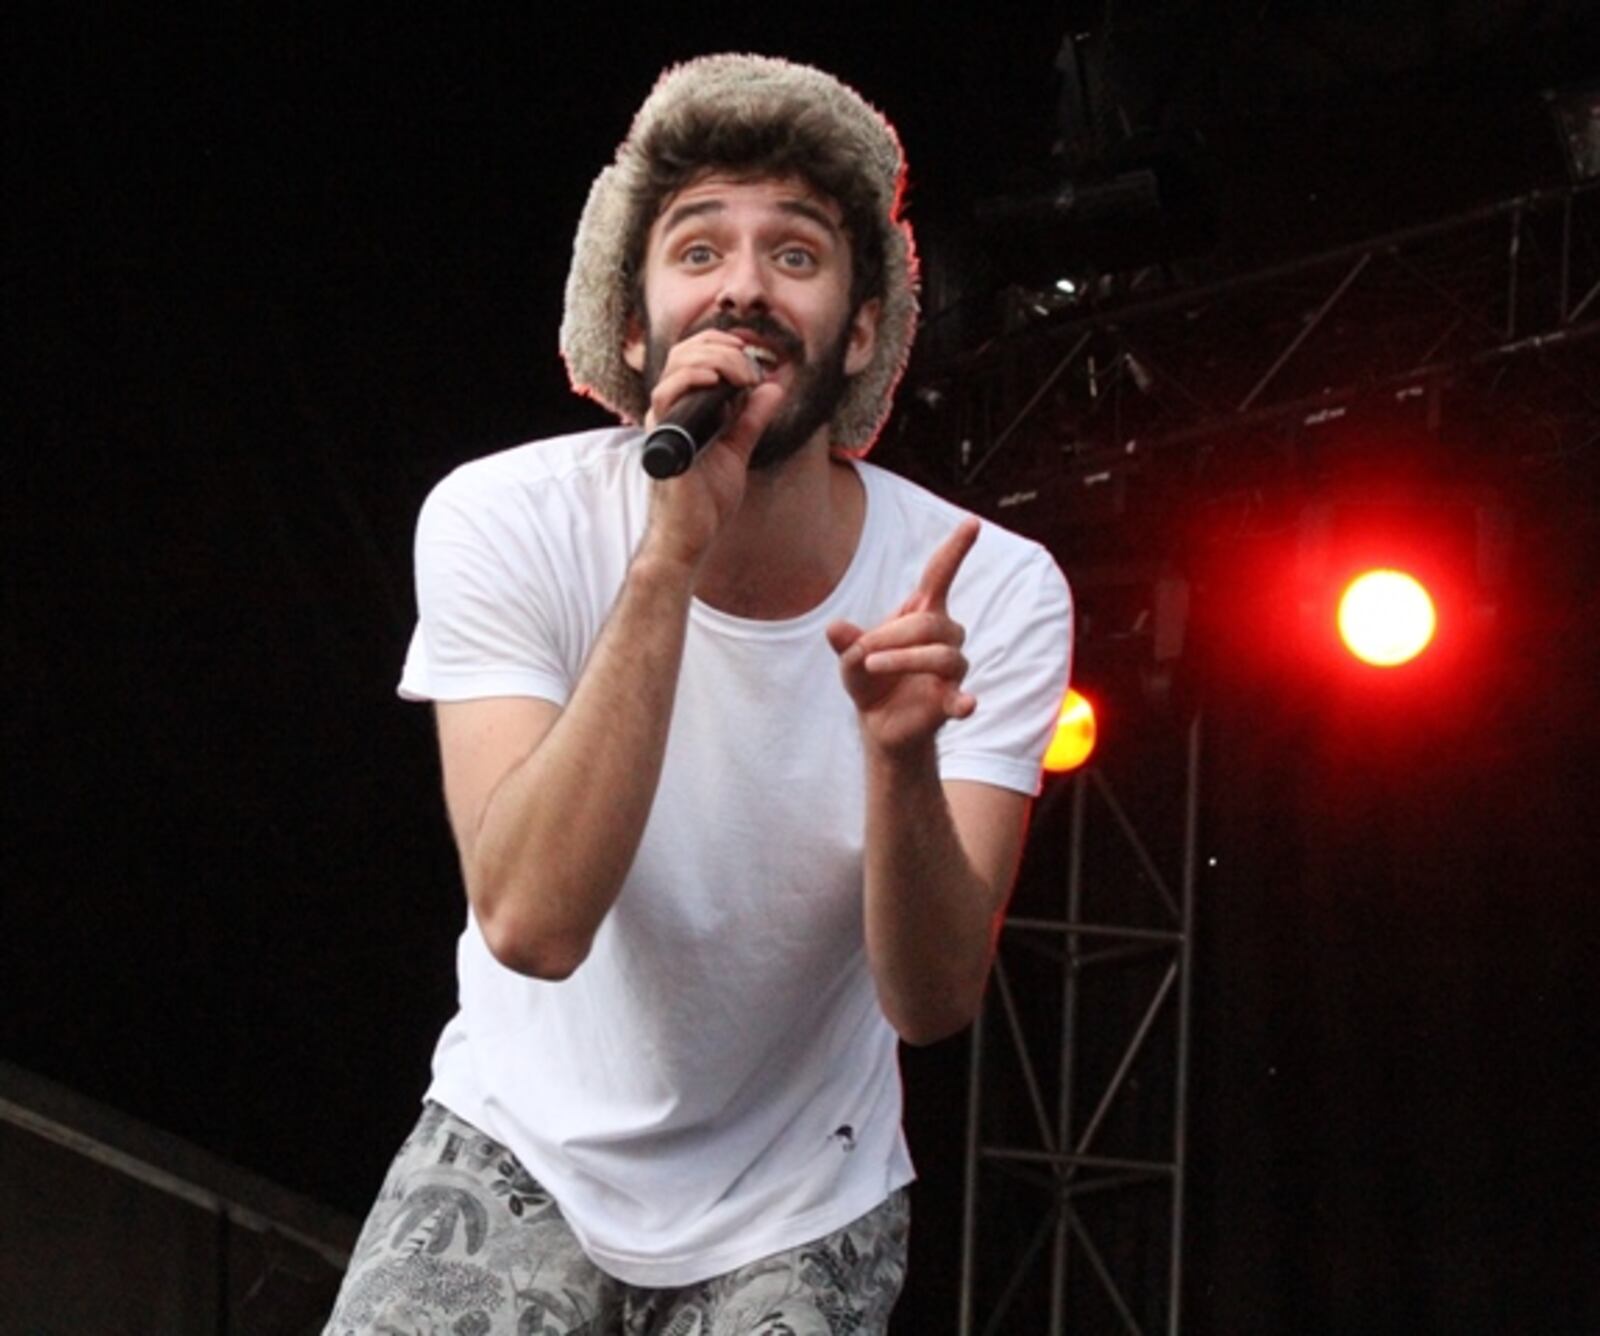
[761, 628]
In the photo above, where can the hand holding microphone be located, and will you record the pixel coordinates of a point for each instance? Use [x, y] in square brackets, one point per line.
[689, 511]
[695, 420]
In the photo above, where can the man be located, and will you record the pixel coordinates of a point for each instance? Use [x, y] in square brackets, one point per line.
[738, 765]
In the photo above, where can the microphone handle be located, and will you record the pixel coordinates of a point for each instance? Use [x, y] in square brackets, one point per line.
[689, 426]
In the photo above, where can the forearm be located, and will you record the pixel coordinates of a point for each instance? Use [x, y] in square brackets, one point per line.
[930, 916]
[558, 834]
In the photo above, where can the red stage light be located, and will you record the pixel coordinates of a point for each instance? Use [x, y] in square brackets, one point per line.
[1386, 618]
[1074, 737]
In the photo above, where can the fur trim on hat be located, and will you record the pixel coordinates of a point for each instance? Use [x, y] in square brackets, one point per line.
[760, 90]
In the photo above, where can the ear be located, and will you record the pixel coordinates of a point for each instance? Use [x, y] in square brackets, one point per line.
[863, 336]
[634, 343]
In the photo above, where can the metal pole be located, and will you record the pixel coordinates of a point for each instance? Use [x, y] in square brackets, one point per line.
[1307, 330]
[1514, 273]
[969, 1211]
[1069, 1023]
[1565, 295]
[1180, 1140]
[1061, 369]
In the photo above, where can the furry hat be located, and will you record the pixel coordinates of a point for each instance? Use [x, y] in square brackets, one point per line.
[754, 92]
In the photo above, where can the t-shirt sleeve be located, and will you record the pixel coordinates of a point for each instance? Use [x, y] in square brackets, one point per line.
[1019, 651]
[487, 621]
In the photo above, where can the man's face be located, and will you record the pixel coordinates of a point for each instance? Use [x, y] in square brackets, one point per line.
[768, 260]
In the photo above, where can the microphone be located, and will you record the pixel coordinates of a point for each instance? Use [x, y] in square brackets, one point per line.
[690, 425]
[693, 422]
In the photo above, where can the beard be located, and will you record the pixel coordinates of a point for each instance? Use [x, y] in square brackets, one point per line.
[814, 395]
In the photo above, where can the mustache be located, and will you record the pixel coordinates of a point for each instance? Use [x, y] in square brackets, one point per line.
[776, 336]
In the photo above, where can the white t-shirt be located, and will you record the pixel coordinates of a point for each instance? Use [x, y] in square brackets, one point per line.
[717, 1081]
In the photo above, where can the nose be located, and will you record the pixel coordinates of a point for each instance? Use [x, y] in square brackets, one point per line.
[744, 282]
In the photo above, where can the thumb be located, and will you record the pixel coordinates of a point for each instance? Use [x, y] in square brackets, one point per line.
[842, 635]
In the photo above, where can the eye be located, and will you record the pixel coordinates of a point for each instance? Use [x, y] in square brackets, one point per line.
[696, 253]
[797, 257]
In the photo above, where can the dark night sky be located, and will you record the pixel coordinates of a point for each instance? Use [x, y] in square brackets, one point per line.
[270, 272]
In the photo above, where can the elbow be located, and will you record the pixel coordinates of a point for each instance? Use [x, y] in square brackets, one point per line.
[530, 949]
[932, 1022]
[924, 1006]
[925, 1030]
[935, 1008]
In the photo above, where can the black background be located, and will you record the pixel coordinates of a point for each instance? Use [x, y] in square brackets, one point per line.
[270, 271]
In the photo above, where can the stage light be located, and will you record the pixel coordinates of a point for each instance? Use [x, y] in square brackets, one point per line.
[1074, 737]
[1386, 618]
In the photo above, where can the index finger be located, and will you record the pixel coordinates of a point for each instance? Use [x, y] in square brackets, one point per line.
[940, 572]
[721, 350]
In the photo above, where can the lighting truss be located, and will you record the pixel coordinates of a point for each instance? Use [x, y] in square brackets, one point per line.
[1050, 1163]
[1149, 373]
[1152, 379]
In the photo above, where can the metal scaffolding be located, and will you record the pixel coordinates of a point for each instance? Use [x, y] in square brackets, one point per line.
[1057, 1155]
[1143, 370]
[1150, 379]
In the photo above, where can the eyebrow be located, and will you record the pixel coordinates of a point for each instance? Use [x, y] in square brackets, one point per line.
[800, 208]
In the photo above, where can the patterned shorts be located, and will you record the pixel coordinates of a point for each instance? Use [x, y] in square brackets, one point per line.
[463, 1242]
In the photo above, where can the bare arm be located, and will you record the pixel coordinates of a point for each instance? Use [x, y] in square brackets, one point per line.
[940, 858]
[940, 864]
[548, 804]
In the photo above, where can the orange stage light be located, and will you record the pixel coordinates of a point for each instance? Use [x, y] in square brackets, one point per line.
[1074, 737]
